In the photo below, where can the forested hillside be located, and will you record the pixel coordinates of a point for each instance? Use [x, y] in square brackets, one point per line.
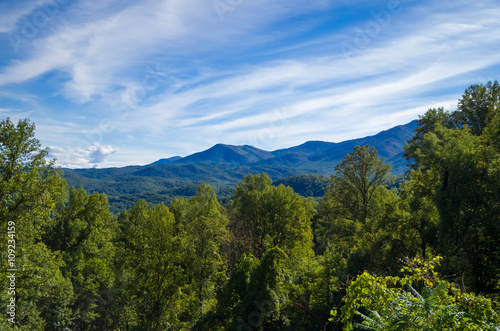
[223, 166]
[422, 255]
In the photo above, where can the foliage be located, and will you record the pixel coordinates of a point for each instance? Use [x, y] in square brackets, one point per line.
[148, 269]
[393, 303]
[305, 185]
[272, 217]
[477, 107]
[202, 233]
[252, 262]
[455, 155]
[358, 215]
[83, 232]
[356, 180]
[29, 191]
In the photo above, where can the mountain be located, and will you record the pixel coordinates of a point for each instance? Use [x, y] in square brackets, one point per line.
[222, 166]
[221, 154]
[168, 160]
[307, 148]
[389, 143]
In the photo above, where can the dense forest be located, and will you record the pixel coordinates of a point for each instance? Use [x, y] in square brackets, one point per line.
[370, 255]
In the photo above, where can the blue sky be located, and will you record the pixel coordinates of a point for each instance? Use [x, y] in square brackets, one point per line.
[115, 83]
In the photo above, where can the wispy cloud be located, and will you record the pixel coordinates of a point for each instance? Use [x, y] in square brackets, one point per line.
[223, 80]
[409, 65]
[12, 13]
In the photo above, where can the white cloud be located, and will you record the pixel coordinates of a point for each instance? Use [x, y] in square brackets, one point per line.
[81, 157]
[98, 153]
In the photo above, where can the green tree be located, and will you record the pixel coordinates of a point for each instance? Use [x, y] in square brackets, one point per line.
[201, 223]
[256, 297]
[492, 132]
[263, 305]
[458, 162]
[427, 126]
[315, 290]
[267, 217]
[148, 269]
[420, 217]
[356, 179]
[230, 296]
[353, 214]
[468, 205]
[248, 219]
[478, 106]
[30, 188]
[84, 232]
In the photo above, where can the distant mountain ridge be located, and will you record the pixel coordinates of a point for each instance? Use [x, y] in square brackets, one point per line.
[389, 143]
[222, 166]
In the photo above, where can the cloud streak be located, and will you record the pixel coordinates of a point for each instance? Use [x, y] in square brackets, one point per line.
[224, 80]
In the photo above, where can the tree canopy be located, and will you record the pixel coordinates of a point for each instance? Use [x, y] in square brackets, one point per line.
[373, 253]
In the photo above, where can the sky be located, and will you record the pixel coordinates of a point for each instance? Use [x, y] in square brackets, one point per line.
[115, 83]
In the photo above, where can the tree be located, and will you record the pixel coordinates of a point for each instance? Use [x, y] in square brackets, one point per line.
[467, 201]
[273, 223]
[263, 304]
[84, 232]
[230, 296]
[492, 132]
[355, 201]
[315, 290]
[30, 188]
[357, 178]
[268, 217]
[201, 223]
[478, 106]
[248, 220]
[256, 297]
[458, 163]
[420, 221]
[148, 269]
[427, 124]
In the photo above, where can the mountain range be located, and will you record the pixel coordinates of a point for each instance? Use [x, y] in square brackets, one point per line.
[222, 166]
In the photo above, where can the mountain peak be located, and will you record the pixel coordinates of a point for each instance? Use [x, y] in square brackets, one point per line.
[222, 154]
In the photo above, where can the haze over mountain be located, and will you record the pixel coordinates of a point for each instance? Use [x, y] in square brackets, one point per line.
[222, 166]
